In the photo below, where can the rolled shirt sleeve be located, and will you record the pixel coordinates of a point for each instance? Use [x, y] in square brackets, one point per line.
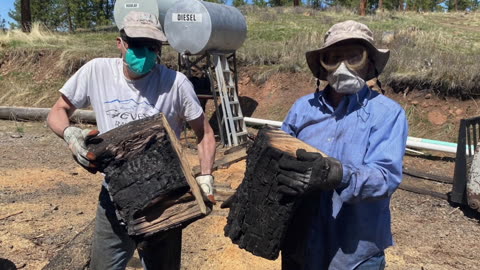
[77, 87]
[381, 173]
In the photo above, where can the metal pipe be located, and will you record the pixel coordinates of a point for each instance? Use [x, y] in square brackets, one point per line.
[260, 122]
[432, 145]
[89, 116]
[449, 144]
[414, 142]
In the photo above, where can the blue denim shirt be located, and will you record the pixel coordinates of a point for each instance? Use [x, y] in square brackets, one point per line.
[367, 132]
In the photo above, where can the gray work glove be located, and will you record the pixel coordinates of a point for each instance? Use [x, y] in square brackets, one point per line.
[308, 172]
[76, 139]
[206, 184]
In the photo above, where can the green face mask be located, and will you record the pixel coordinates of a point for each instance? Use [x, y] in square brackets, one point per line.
[140, 60]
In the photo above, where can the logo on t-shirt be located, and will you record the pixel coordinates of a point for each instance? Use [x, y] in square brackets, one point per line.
[124, 111]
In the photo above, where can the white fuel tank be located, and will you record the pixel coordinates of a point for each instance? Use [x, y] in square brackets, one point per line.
[194, 27]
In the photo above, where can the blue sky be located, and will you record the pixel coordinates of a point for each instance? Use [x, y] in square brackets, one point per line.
[5, 6]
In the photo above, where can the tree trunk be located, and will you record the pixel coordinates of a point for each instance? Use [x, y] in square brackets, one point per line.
[26, 14]
[296, 3]
[109, 8]
[40, 114]
[363, 7]
[380, 5]
[260, 215]
[69, 17]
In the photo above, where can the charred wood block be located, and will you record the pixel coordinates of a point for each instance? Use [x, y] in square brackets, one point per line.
[145, 171]
[260, 215]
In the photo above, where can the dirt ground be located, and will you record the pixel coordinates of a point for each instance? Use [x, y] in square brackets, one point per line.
[46, 199]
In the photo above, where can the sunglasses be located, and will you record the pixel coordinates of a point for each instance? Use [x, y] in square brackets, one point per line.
[354, 57]
[143, 43]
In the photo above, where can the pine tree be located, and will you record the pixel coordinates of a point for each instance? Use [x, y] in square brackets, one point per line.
[238, 3]
[26, 15]
[259, 3]
[67, 14]
[3, 24]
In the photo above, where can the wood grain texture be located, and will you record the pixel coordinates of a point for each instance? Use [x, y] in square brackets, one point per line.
[285, 143]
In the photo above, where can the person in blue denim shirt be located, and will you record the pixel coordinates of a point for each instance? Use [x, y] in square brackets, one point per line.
[364, 134]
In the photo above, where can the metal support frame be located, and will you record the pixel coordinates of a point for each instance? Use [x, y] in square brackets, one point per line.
[468, 135]
[185, 65]
[221, 70]
[235, 127]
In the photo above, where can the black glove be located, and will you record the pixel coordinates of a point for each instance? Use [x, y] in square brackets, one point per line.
[228, 202]
[308, 172]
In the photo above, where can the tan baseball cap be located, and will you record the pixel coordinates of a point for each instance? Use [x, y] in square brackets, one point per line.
[348, 30]
[143, 25]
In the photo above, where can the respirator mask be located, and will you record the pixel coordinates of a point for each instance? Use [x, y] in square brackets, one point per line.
[140, 58]
[342, 66]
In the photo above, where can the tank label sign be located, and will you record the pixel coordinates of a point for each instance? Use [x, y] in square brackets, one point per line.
[186, 17]
[132, 5]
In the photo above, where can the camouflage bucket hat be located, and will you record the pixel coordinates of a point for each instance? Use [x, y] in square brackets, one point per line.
[348, 30]
[143, 25]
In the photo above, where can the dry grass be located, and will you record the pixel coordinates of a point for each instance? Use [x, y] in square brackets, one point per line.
[444, 57]
[38, 37]
[95, 43]
[34, 66]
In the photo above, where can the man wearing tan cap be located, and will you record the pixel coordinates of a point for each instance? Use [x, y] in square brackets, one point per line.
[346, 222]
[121, 90]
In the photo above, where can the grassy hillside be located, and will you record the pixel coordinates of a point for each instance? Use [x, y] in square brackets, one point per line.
[435, 51]
[429, 50]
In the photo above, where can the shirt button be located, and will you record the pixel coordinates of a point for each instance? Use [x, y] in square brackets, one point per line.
[329, 139]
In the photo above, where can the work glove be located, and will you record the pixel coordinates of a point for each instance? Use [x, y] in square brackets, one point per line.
[308, 172]
[76, 139]
[206, 184]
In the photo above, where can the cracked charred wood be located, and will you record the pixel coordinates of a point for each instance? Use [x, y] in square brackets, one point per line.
[259, 214]
[149, 179]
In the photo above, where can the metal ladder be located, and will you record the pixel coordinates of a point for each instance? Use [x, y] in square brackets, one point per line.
[232, 118]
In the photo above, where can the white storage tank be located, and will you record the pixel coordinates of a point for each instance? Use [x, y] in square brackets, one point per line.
[194, 27]
[156, 7]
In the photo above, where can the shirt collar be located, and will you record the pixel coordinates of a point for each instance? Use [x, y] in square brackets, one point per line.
[349, 103]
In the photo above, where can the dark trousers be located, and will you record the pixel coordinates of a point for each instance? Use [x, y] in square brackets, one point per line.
[377, 262]
[112, 247]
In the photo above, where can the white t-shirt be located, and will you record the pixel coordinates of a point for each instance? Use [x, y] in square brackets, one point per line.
[117, 100]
